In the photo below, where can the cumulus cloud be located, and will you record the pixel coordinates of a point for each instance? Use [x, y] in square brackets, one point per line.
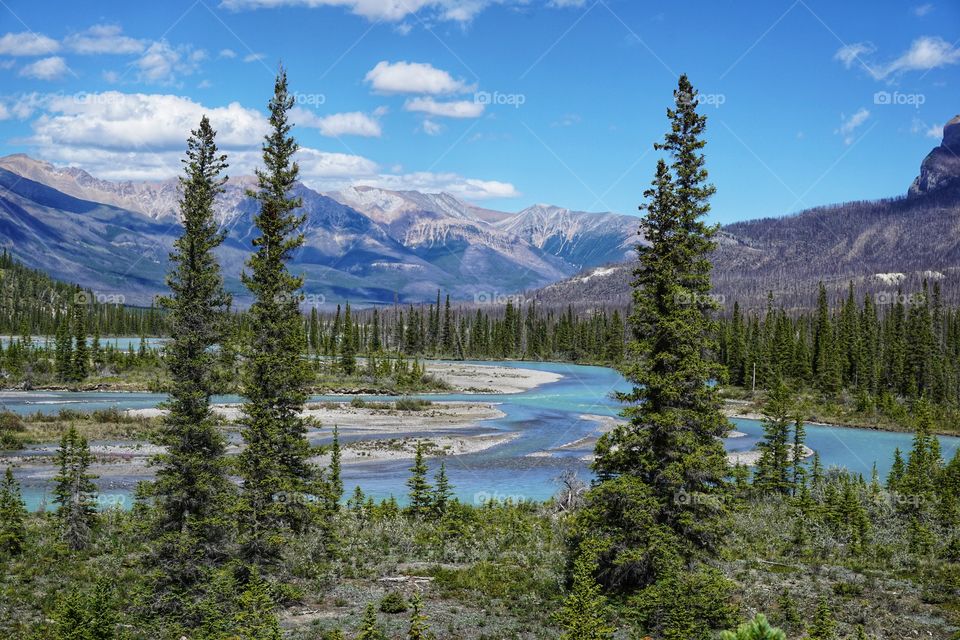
[925, 53]
[27, 44]
[453, 109]
[465, 188]
[335, 125]
[413, 77]
[254, 57]
[849, 125]
[919, 127]
[852, 53]
[162, 63]
[432, 128]
[103, 39]
[50, 68]
[922, 10]
[227, 53]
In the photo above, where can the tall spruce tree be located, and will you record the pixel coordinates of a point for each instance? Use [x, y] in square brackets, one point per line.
[773, 468]
[13, 516]
[274, 466]
[80, 359]
[190, 493]
[74, 492]
[420, 498]
[657, 505]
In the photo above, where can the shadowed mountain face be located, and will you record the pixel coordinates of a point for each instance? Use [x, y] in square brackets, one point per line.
[880, 246]
[363, 244]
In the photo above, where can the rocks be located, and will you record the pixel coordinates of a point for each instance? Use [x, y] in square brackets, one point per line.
[941, 168]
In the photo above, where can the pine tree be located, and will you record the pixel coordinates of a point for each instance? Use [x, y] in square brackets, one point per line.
[335, 479]
[63, 355]
[799, 442]
[275, 461]
[585, 612]
[13, 516]
[191, 489]
[420, 499]
[74, 492]
[824, 627]
[80, 361]
[369, 629]
[442, 492]
[757, 629]
[87, 616]
[773, 467]
[669, 457]
[348, 347]
[255, 619]
[418, 629]
[895, 477]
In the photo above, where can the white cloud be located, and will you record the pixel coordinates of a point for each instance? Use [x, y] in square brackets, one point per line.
[466, 188]
[4, 112]
[567, 3]
[354, 123]
[162, 63]
[128, 121]
[103, 39]
[27, 44]
[922, 10]
[432, 128]
[849, 125]
[389, 10]
[413, 77]
[919, 127]
[925, 53]
[454, 109]
[227, 53]
[323, 165]
[852, 53]
[254, 57]
[45, 68]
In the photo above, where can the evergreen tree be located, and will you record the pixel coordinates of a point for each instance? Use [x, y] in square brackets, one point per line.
[585, 612]
[756, 629]
[824, 627]
[13, 516]
[348, 347]
[442, 492]
[87, 616]
[80, 361]
[74, 492]
[796, 460]
[418, 629]
[669, 457]
[420, 498]
[63, 355]
[369, 629]
[255, 619]
[191, 489]
[276, 459]
[335, 479]
[773, 468]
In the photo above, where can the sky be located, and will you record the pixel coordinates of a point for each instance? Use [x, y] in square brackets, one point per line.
[504, 103]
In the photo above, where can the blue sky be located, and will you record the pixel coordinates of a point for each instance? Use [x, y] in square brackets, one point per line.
[503, 102]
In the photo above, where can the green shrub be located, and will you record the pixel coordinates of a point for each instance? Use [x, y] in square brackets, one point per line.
[393, 602]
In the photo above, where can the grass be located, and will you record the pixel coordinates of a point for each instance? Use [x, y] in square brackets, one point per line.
[102, 424]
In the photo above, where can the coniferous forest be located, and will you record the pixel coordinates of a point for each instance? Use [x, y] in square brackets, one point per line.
[245, 529]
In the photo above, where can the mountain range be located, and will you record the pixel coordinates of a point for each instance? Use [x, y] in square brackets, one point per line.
[881, 246]
[362, 244]
[369, 245]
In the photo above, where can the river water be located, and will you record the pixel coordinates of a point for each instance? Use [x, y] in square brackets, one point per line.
[545, 418]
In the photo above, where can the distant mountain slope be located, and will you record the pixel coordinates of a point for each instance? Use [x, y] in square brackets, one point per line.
[363, 244]
[879, 245]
